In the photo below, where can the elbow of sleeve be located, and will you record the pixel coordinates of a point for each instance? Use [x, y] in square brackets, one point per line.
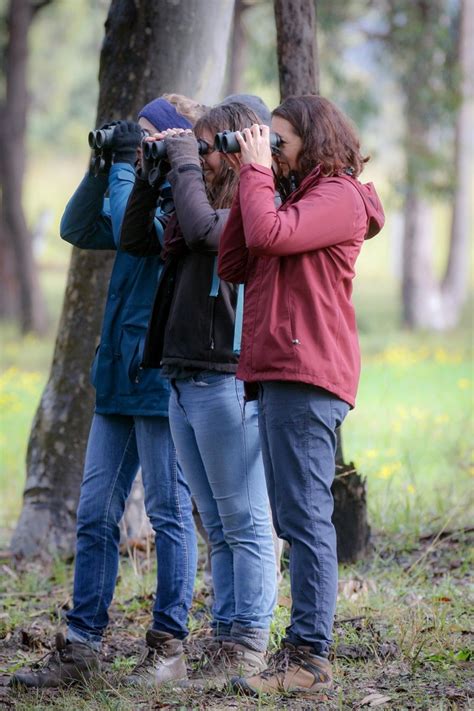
[233, 276]
[69, 236]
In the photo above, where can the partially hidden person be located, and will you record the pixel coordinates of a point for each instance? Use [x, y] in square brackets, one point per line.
[192, 337]
[130, 429]
[300, 353]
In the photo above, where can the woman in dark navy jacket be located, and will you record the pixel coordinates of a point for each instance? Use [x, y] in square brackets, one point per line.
[130, 429]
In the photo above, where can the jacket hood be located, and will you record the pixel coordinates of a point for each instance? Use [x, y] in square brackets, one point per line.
[373, 206]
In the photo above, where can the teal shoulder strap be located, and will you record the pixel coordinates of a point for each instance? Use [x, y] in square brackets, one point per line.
[239, 314]
[239, 309]
[215, 284]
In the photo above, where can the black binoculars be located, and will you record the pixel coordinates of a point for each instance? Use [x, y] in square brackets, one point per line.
[156, 150]
[102, 138]
[226, 142]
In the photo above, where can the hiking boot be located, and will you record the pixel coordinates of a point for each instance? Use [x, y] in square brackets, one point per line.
[163, 661]
[291, 670]
[69, 663]
[225, 660]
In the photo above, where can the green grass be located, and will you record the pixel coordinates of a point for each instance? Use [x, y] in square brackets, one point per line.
[403, 630]
[411, 433]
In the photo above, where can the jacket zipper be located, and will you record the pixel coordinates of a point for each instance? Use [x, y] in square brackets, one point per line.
[212, 344]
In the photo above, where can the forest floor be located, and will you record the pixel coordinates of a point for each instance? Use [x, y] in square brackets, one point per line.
[403, 637]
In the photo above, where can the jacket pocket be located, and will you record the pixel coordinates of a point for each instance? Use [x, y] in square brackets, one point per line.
[291, 319]
[94, 368]
[131, 355]
[135, 368]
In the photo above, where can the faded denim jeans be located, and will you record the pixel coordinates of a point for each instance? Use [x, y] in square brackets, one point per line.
[298, 432]
[117, 446]
[218, 446]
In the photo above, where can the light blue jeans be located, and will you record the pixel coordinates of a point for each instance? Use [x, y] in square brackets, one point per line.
[118, 445]
[218, 447]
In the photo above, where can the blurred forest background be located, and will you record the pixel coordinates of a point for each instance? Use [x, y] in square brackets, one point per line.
[381, 62]
[404, 71]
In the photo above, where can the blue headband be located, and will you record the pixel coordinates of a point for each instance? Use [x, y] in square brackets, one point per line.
[163, 115]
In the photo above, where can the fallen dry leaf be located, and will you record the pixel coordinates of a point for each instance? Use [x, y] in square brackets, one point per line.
[374, 700]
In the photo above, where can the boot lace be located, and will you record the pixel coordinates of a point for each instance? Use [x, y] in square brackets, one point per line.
[280, 662]
[216, 658]
[51, 659]
[149, 657]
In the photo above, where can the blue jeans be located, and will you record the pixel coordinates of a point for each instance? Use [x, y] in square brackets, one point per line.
[118, 445]
[297, 429]
[218, 446]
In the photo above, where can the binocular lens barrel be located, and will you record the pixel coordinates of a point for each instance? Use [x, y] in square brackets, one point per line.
[101, 138]
[226, 142]
[156, 150]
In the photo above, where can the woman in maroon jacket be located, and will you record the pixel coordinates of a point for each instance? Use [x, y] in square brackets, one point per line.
[299, 349]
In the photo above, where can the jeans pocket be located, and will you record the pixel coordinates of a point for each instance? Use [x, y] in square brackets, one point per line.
[339, 410]
[208, 379]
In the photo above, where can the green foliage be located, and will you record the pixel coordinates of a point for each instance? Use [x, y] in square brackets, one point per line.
[416, 41]
[63, 80]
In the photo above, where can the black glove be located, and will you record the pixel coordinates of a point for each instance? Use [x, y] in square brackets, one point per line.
[126, 139]
[109, 124]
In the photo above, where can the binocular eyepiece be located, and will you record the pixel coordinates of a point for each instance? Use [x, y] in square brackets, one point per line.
[226, 142]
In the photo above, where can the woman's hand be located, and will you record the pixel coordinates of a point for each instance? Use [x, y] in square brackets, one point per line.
[168, 133]
[255, 145]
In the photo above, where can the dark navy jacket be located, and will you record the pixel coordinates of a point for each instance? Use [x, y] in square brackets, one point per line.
[92, 221]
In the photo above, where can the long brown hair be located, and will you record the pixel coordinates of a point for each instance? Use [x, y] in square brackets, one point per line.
[329, 137]
[231, 117]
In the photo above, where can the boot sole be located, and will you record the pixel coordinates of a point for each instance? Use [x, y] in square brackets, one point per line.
[240, 685]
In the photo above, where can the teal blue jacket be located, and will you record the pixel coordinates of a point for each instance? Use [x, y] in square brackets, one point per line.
[92, 221]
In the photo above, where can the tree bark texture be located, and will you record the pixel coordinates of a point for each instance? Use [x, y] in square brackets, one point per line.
[298, 68]
[350, 514]
[297, 51]
[24, 300]
[238, 47]
[149, 48]
[455, 283]
[430, 302]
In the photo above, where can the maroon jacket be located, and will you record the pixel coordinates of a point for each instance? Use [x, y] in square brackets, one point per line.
[297, 263]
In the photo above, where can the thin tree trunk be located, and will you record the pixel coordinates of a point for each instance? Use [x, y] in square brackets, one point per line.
[298, 67]
[422, 303]
[238, 47]
[455, 283]
[430, 303]
[24, 282]
[149, 48]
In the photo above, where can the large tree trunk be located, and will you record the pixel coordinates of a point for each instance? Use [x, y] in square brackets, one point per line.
[149, 48]
[22, 298]
[298, 68]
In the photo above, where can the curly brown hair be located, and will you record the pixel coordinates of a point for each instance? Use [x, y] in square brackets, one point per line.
[232, 117]
[187, 107]
[329, 137]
